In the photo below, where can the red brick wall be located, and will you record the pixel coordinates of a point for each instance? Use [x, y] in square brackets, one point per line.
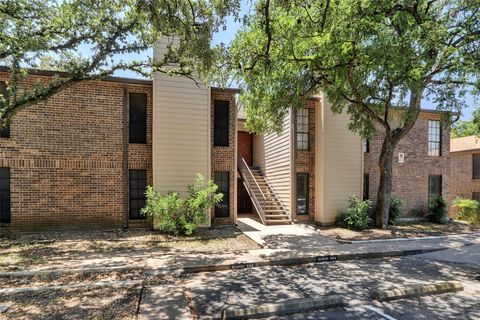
[224, 158]
[410, 179]
[66, 157]
[462, 183]
[305, 163]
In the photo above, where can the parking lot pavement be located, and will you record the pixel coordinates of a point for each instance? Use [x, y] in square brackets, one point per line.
[215, 291]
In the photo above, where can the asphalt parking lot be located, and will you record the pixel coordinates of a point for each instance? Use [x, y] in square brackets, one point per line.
[353, 280]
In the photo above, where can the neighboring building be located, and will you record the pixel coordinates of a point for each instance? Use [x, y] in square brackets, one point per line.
[421, 165]
[465, 168]
[83, 158]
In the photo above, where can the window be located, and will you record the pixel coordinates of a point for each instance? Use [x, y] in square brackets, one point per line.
[137, 118]
[476, 166]
[4, 195]
[366, 145]
[366, 186]
[434, 138]
[302, 193]
[137, 185]
[222, 180]
[476, 196]
[434, 186]
[220, 123]
[302, 129]
[5, 130]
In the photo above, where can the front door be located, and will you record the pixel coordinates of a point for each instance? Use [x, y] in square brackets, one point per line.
[245, 146]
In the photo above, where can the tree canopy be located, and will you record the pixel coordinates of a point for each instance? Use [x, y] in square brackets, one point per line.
[464, 128]
[371, 59]
[91, 39]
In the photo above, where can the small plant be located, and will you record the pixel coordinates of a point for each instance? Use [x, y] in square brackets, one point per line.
[176, 215]
[467, 210]
[437, 211]
[357, 215]
[395, 210]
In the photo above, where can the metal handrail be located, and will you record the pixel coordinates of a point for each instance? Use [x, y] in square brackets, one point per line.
[277, 198]
[245, 166]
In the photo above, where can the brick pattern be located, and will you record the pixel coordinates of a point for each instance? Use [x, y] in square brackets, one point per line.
[462, 183]
[410, 179]
[224, 158]
[305, 163]
[66, 157]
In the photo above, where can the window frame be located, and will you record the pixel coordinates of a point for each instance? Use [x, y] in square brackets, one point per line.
[430, 177]
[366, 186]
[133, 193]
[4, 131]
[221, 123]
[222, 180]
[5, 204]
[366, 145]
[431, 141]
[306, 181]
[475, 173]
[137, 129]
[301, 115]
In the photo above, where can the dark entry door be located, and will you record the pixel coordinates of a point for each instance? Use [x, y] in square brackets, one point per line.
[245, 146]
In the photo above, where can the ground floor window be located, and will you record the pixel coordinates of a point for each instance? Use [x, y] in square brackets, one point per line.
[4, 195]
[476, 196]
[222, 180]
[366, 186]
[434, 186]
[137, 186]
[302, 193]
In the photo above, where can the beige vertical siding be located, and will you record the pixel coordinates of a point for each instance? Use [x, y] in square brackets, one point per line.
[273, 154]
[181, 124]
[339, 162]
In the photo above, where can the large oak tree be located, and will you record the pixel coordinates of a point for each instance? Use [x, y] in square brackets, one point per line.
[377, 60]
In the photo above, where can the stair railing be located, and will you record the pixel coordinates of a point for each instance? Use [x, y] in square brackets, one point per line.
[272, 190]
[251, 183]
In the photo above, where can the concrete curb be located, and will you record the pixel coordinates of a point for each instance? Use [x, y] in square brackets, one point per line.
[283, 308]
[290, 261]
[417, 290]
[101, 284]
[59, 272]
[447, 236]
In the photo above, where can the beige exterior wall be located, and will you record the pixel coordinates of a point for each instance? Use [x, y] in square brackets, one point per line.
[273, 153]
[181, 131]
[338, 163]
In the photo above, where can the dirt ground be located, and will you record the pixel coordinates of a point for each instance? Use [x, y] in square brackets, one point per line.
[24, 251]
[403, 230]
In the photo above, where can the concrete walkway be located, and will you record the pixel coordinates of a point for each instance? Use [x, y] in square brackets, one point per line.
[290, 236]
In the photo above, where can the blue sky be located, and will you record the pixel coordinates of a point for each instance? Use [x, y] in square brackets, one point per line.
[225, 36]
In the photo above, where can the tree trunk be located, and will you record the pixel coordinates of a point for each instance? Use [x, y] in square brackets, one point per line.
[384, 193]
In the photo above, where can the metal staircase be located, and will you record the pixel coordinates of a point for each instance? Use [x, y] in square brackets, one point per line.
[266, 202]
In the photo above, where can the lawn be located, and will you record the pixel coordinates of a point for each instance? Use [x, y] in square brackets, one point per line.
[402, 230]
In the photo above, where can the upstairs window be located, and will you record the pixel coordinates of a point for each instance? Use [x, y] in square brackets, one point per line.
[221, 111]
[4, 195]
[434, 138]
[302, 129]
[366, 145]
[476, 166]
[5, 130]
[137, 118]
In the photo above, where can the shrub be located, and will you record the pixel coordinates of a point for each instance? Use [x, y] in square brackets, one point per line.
[395, 211]
[176, 215]
[467, 210]
[437, 211]
[357, 215]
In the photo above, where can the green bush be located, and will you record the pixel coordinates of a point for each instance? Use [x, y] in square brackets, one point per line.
[357, 215]
[395, 211]
[176, 215]
[437, 211]
[467, 210]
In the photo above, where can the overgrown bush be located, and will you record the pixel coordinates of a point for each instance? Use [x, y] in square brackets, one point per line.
[176, 215]
[437, 211]
[356, 216]
[467, 210]
[395, 211]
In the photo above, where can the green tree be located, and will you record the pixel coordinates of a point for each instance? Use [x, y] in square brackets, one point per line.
[90, 39]
[464, 128]
[377, 60]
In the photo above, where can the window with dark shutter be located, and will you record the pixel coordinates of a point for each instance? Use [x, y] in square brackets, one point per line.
[4, 130]
[366, 186]
[137, 186]
[222, 180]
[137, 118]
[434, 186]
[476, 166]
[4, 195]
[220, 123]
[302, 193]
[303, 129]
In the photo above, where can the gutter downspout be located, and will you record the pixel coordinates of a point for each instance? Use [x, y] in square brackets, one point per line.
[125, 156]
